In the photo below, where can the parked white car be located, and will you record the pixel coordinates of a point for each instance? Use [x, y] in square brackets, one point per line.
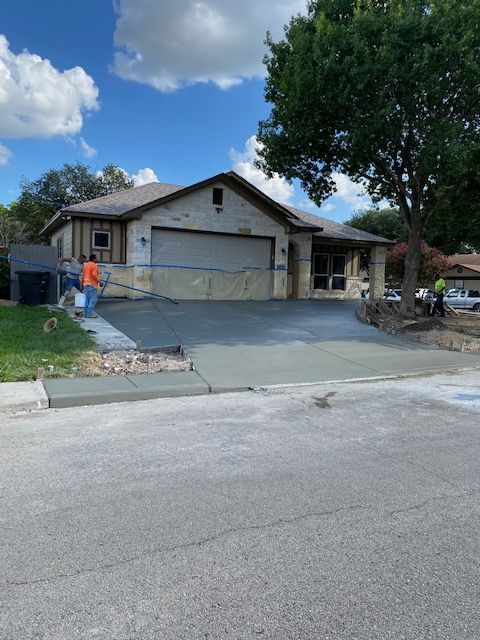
[464, 299]
[424, 294]
[391, 295]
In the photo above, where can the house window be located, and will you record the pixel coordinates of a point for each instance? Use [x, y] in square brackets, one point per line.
[217, 196]
[60, 247]
[101, 239]
[339, 264]
[320, 270]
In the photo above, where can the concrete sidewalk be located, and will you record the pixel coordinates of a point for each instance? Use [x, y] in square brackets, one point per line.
[106, 336]
[22, 396]
[237, 346]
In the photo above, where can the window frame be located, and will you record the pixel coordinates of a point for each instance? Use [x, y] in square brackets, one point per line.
[339, 275]
[101, 248]
[217, 194]
[325, 275]
[60, 246]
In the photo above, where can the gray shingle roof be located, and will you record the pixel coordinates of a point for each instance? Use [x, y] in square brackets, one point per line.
[117, 204]
[465, 258]
[335, 230]
[121, 202]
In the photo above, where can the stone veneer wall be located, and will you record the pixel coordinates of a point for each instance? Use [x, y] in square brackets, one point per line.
[352, 290]
[302, 243]
[196, 212]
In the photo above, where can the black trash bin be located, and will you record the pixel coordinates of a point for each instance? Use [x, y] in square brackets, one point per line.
[33, 286]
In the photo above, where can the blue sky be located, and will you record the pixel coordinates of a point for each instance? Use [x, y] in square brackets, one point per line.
[166, 89]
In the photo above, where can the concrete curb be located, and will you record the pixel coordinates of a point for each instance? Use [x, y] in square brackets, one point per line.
[73, 392]
[77, 392]
[396, 376]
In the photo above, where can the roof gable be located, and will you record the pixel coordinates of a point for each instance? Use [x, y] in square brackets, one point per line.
[465, 265]
[131, 203]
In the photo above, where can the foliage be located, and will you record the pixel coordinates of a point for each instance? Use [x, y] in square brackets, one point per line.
[58, 188]
[385, 92]
[4, 279]
[12, 231]
[432, 261]
[24, 346]
[385, 223]
[455, 222]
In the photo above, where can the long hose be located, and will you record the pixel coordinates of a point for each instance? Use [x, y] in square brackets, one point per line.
[117, 284]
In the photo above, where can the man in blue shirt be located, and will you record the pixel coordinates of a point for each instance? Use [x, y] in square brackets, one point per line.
[73, 272]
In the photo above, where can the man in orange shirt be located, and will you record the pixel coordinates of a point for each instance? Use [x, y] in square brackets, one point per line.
[90, 282]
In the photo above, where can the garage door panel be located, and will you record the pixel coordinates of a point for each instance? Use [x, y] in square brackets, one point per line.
[210, 266]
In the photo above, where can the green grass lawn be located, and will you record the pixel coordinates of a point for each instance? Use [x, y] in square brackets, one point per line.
[24, 346]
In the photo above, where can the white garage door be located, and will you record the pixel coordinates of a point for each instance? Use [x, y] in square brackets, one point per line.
[190, 265]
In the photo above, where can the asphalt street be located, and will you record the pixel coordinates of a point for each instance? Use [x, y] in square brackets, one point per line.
[344, 511]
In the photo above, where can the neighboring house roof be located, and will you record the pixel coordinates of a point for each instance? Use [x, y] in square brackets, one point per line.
[337, 231]
[466, 265]
[464, 259]
[131, 203]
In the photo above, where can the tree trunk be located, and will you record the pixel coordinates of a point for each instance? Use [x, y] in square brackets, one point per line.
[412, 264]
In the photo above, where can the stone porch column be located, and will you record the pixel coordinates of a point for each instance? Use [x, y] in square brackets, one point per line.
[376, 272]
[302, 244]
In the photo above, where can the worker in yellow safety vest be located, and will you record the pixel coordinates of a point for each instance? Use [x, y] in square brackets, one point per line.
[439, 292]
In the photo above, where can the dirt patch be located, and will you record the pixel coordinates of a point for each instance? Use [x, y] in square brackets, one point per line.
[461, 333]
[121, 363]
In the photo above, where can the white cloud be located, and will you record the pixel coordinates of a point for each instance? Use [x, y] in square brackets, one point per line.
[144, 176]
[173, 43]
[5, 155]
[88, 151]
[37, 100]
[328, 207]
[350, 192]
[276, 188]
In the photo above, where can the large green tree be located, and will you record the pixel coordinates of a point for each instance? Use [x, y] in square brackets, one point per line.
[57, 188]
[386, 223]
[12, 231]
[454, 226]
[386, 92]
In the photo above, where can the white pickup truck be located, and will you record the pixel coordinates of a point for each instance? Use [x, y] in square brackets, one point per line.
[463, 299]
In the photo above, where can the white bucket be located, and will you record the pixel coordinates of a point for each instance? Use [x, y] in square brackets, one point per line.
[80, 300]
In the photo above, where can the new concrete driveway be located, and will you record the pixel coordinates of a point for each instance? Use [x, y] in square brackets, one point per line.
[236, 345]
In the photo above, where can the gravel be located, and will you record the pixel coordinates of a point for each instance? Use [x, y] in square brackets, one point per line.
[119, 363]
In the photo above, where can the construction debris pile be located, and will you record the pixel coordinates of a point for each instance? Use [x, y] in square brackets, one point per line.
[120, 363]
[457, 331]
